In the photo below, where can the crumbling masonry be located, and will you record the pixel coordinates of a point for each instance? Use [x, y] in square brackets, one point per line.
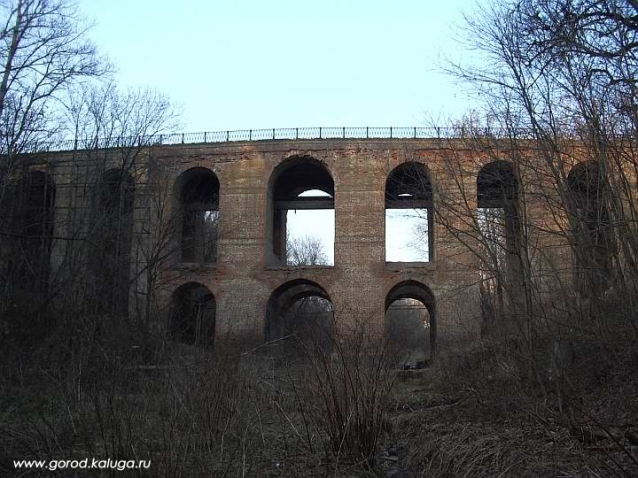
[201, 229]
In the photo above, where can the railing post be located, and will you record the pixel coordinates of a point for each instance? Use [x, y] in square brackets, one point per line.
[390, 132]
[205, 137]
[273, 133]
[344, 132]
[319, 132]
[296, 133]
[415, 132]
[367, 132]
[182, 138]
[227, 136]
[250, 135]
[438, 132]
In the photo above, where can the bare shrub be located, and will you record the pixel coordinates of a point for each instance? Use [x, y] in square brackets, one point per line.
[348, 391]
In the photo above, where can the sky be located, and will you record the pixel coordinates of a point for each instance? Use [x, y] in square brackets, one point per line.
[250, 64]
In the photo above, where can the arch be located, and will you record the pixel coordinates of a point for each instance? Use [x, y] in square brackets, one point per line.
[192, 315]
[407, 183]
[590, 225]
[116, 191]
[297, 174]
[411, 289]
[197, 193]
[409, 209]
[110, 258]
[282, 317]
[496, 185]
[587, 179]
[497, 191]
[299, 183]
[34, 225]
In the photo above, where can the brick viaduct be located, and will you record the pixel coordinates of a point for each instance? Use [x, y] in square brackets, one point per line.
[248, 184]
[244, 276]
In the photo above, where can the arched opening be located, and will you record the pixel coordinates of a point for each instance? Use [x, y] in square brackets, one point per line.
[300, 312]
[409, 231]
[301, 217]
[500, 235]
[192, 315]
[591, 226]
[410, 311]
[198, 192]
[113, 236]
[34, 227]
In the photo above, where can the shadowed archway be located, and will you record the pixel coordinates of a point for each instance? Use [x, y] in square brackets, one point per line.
[500, 234]
[113, 238]
[591, 226]
[197, 215]
[301, 309]
[411, 289]
[34, 225]
[192, 315]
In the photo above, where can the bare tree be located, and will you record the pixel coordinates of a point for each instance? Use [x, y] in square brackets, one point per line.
[547, 207]
[305, 251]
[123, 240]
[44, 51]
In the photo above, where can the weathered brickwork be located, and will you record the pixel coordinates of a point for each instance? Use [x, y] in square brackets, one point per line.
[241, 281]
[242, 278]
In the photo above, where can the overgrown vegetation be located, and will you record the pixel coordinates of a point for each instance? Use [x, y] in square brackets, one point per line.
[545, 216]
[193, 412]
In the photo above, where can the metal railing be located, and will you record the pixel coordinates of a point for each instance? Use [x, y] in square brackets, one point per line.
[246, 135]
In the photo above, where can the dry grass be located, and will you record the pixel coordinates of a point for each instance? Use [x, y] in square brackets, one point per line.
[477, 412]
[480, 414]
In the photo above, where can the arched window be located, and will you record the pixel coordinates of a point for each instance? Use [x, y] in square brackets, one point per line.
[409, 231]
[199, 202]
[192, 315]
[496, 185]
[301, 222]
[411, 320]
[500, 236]
[34, 226]
[301, 312]
[113, 236]
[591, 225]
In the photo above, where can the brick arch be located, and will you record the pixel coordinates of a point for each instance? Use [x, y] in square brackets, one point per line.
[183, 169]
[591, 226]
[412, 289]
[409, 187]
[196, 194]
[587, 178]
[283, 298]
[496, 184]
[112, 232]
[188, 174]
[295, 160]
[34, 222]
[500, 223]
[291, 177]
[192, 314]
[410, 177]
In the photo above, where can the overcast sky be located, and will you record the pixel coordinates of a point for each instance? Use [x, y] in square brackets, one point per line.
[242, 64]
[249, 64]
